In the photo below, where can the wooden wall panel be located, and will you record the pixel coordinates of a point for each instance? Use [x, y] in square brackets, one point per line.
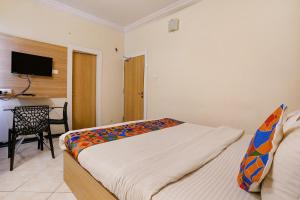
[52, 87]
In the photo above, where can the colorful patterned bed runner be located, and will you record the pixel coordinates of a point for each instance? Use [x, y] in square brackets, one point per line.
[78, 141]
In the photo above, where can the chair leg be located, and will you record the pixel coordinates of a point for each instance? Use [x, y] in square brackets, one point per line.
[9, 143]
[41, 141]
[51, 143]
[66, 126]
[12, 153]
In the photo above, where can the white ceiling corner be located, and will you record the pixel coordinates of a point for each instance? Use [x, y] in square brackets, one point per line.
[78, 12]
[129, 17]
[178, 5]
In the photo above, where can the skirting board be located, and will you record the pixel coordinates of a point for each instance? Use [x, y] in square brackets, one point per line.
[83, 185]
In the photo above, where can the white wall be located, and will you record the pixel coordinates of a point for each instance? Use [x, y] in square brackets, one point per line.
[33, 20]
[231, 63]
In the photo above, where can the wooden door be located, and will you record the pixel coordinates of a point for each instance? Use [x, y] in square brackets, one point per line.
[134, 88]
[84, 91]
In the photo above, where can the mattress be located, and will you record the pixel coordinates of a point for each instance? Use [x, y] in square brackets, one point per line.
[214, 181]
[216, 178]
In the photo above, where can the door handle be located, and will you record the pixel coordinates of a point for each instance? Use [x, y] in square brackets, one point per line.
[141, 94]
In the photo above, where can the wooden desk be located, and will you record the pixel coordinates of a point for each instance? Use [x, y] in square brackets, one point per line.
[13, 96]
[50, 108]
[32, 97]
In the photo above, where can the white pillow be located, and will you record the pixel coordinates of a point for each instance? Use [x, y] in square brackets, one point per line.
[292, 122]
[283, 182]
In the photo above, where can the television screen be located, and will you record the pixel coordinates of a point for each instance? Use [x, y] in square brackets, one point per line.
[22, 63]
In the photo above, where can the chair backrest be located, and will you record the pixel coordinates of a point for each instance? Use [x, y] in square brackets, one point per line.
[30, 120]
[65, 111]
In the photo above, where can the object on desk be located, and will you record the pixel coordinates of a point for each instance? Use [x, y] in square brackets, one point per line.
[28, 120]
[28, 94]
[4, 92]
[64, 120]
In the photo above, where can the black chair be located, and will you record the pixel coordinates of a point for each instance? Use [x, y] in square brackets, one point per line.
[28, 120]
[64, 120]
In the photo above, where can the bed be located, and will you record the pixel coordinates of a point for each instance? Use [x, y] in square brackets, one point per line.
[180, 161]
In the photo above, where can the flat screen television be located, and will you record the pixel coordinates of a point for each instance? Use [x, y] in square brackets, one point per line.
[22, 63]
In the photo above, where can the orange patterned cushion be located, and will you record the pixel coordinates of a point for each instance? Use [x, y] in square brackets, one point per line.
[259, 157]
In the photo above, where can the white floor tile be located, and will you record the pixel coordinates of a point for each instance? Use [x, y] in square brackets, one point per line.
[27, 196]
[62, 196]
[46, 181]
[29, 157]
[36, 175]
[2, 195]
[10, 181]
[63, 189]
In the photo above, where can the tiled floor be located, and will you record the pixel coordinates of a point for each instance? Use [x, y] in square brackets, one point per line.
[36, 175]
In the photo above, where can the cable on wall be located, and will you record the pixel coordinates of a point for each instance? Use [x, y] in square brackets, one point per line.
[20, 93]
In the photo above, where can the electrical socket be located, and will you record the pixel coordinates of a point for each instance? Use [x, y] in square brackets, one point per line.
[4, 92]
[55, 71]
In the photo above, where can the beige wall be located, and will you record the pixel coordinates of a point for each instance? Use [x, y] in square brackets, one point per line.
[32, 19]
[231, 63]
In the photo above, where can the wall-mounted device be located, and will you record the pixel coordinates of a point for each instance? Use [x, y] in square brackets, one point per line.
[173, 25]
[5, 92]
[22, 63]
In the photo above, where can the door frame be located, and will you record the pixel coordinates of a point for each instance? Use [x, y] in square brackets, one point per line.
[99, 60]
[131, 55]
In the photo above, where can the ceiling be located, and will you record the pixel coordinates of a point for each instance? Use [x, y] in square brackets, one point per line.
[120, 12]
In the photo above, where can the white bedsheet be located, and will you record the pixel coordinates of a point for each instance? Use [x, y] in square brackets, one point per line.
[214, 181]
[139, 167]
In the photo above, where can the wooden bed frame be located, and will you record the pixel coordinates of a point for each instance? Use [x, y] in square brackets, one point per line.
[83, 185]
